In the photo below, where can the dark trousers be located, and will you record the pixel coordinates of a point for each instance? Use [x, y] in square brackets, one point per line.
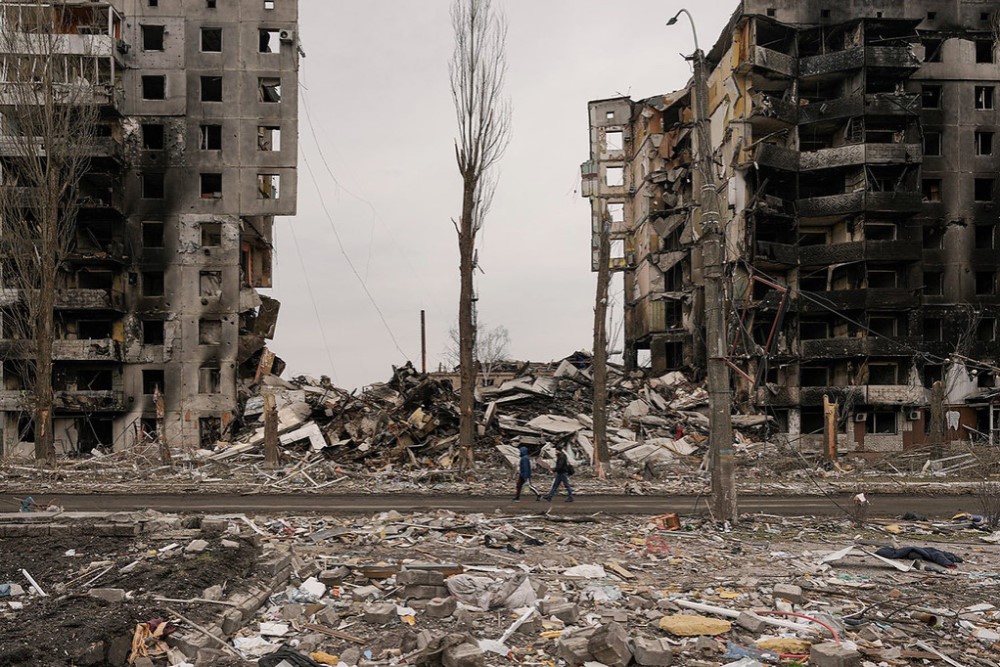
[561, 478]
[521, 481]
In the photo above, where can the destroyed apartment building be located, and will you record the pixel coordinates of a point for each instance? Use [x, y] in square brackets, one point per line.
[157, 315]
[856, 156]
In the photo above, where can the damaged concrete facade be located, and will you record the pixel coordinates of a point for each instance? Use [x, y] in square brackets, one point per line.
[159, 320]
[854, 151]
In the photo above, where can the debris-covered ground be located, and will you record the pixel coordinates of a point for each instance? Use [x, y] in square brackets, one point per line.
[468, 590]
[402, 436]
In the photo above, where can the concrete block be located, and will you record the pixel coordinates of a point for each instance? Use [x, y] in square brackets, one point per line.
[653, 652]
[207, 657]
[350, 656]
[380, 613]
[610, 645]
[334, 576]
[751, 622]
[545, 606]
[574, 650]
[232, 621]
[107, 594]
[366, 592]
[441, 607]
[420, 578]
[425, 592]
[275, 564]
[119, 650]
[788, 592]
[212, 592]
[116, 529]
[833, 655]
[567, 612]
[214, 524]
[229, 544]
[463, 655]
[196, 547]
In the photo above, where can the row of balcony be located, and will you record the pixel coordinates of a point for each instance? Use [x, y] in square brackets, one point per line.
[869, 394]
[67, 401]
[872, 298]
[873, 104]
[771, 155]
[73, 299]
[839, 253]
[101, 349]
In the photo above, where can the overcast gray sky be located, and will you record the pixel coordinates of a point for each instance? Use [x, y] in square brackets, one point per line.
[376, 83]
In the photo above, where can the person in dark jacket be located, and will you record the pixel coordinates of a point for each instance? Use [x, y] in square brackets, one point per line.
[562, 471]
[524, 476]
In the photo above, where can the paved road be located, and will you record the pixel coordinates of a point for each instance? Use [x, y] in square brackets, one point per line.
[882, 505]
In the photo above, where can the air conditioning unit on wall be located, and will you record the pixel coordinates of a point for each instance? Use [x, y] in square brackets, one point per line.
[287, 36]
[860, 416]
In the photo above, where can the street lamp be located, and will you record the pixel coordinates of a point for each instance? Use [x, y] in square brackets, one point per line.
[720, 436]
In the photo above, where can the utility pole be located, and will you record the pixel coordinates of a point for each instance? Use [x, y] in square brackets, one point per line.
[720, 437]
[423, 342]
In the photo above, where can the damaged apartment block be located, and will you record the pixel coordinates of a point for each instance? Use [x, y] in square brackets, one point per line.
[158, 321]
[855, 151]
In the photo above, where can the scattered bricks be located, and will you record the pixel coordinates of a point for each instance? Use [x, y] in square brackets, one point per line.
[545, 606]
[420, 578]
[275, 564]
[209, 656]
[196, 547]
[531, 627]
[119, 650]
[574, 650]
[464, 618]
[567, 612]
[463, 655]
[108, 594]
[425, 592]
[540, 588]
[24, 530]
[350, 656]
[212, 593]
[616, 615]
[60, 529]
[229, 544]
[424, 639]
[707, 645]
[328, 615]
[334, 576]
[381, 613]
[833, 655]
[232, 621]
[366, 592]
[214, 524]
[189, 644]
[788, 592]
[143, 662]
[116, 529]
[751, 622]
[610, 645]
[293, 612]
[653, 652]
[442, 607]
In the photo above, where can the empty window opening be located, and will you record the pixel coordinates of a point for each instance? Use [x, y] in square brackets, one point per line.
[933, 283]
[771, 11]
[153, 186]
[984, 237]
[931, 189]
[824, 13]
[811, 420]
[209, 380]
[617, 250]
[984, 16]
[211, 137]
[210, 4]
[930, 97]
[931, 16]
[986, 283]
[609, 115]
[878, 15]
[984, 50]
[983, 189]
[210, 283]
[152, 136]
[93, 329]
[984, 143]
[154, 87]
[152, 381]
[211, 40]
[269, 89]
[211, 186]
[268, 138]
[932, 144]
[154, 3]
[933, 329]
[986, 380]
[614, 176]
[211, 234]
[614, 140]
[209, 332]
[152, 234]
[986, 329]
[885, 325]
[881, 422]
[984, 98]
[810, 238]
[94, 279]
[152, 332]
[933, 238]
[883, 374]
[932, 50]
[813, 330]
[94, 380]
[211, 89]
[814, 376]
[210, 428]
[880, 232]
[268, 4]
[152, 37]
[152, 283]
[269, 40]
[882, 279]
[616, 212]
[268, 186]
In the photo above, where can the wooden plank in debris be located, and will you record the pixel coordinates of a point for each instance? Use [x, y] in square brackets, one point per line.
[334, 633]
[619, 570]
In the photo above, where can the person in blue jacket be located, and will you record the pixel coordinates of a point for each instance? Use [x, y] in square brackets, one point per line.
[524, 476]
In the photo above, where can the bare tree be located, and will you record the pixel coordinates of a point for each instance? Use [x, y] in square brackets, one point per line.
[492, 346]
[50, 120]
[477, 70]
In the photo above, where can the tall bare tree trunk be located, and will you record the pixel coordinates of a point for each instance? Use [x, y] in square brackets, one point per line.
[600, 360]
[477, 70]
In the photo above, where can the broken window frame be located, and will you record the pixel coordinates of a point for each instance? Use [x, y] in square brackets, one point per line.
[154, 284]
[209, 331]
[153, 379]
[985, 237]
[153, 233]
[930, 190]
[882, 422]
[618, 172]
[986, 329]
[209, 92]
[210, 185]
[154, 185]
[983, 189]
[153, 136]
[985, 52]
[269, 89]
[211, 33]
[153, 332]
[152, 35]
[269, 136]
[211, 234]
[984, 143]
[933, 50]
[932, 144]
[986, 283]
[933, 329]
[934, 286]
[619, 140]
[984, 98]
[210, 284]
[151, 92]
[269, 186]
[209, 379]
[272, 42]
[211, 137]
[931, 93]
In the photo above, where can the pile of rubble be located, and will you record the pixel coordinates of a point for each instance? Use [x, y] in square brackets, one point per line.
[465, 590]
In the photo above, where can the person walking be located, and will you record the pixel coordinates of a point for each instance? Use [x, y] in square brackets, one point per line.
[524, 476]
[563, 470]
